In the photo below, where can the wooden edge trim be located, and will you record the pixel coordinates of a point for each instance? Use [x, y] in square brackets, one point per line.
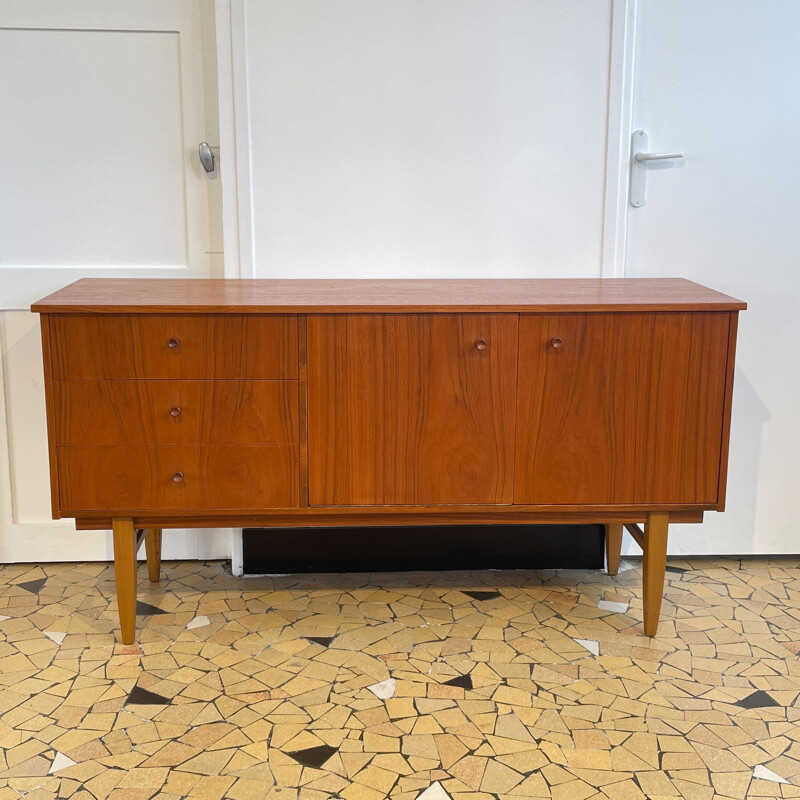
[385, 519]
[722, 482]
[393, 308]
[49, 400]
[636, 532]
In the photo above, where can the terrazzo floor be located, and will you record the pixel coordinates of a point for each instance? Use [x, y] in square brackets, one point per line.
[420, 686]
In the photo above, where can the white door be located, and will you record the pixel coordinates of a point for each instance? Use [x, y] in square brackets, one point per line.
[720, 81]
[103, 107]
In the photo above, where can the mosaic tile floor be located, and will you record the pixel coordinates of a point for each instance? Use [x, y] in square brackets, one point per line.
[417, 686]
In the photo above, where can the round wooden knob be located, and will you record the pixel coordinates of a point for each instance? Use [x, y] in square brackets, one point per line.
[177, 477]
[175, 412]
[172, 343]
[557, 343]
[481, 344]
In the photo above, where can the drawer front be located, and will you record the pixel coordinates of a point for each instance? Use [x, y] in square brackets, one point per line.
[139, 478]
[621, 408]
[155, 412]
[225, 346]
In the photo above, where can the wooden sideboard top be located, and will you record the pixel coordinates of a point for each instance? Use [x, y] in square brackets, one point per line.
[165, 295]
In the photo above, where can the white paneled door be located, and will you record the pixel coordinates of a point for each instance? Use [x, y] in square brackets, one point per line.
[719, 80]
[103, 106]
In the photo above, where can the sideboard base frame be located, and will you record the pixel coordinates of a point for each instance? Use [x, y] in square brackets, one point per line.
[399, 517]
[129, 534]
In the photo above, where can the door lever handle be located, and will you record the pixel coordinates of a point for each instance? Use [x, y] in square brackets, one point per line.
[639, 161]
[656, 156]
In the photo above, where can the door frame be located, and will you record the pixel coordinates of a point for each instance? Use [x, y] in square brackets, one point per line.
[622, 62]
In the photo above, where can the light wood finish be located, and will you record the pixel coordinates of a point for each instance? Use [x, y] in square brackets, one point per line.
[637, 534]
[613, 547]
[411, 409]
[654, 563]
[148, 296]
[629, 409]
[176, 403]
[125, 576]
[231, 346]
[106, 412]
[152, 545]
[138, 478]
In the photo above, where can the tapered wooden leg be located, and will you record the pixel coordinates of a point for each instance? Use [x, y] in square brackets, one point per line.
[653, 565]
[613, 546]
[152, 546]
[125, 575]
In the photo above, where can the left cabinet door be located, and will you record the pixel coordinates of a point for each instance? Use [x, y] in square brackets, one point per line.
[411, 409]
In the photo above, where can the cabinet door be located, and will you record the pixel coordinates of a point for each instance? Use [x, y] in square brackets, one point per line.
[411, 409]
[621, 408]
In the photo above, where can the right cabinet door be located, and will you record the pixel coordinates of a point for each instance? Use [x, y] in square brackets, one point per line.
[622, 408]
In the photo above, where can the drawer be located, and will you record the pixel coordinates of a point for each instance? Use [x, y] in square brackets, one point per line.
[140, 478]
[106, 412]
[226, 346]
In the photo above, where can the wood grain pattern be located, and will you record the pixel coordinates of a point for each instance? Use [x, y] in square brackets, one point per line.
[628, 410]
[131, 479]
[208, 412]
[125, 576]
[112, 346]
[176, 296]
[152, 545]
[408, 409]
[654, 564]
[613, 547]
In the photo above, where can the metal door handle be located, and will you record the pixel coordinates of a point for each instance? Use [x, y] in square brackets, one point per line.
[656, 156]
[207, 158]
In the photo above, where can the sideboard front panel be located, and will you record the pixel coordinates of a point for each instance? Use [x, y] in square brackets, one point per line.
[411, 409]
[621, 408]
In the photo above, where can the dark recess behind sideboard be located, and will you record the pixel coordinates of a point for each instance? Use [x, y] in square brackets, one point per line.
[457, 547]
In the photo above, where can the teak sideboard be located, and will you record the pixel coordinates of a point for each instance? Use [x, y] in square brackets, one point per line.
[190, 403]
